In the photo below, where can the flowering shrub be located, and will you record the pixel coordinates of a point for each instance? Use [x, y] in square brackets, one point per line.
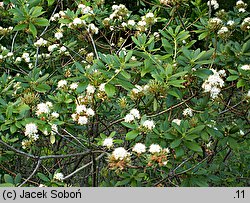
[94, 94]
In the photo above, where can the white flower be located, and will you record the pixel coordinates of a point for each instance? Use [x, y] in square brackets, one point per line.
[223, 30]
[124, 24]
[52, 47]
[108, 142]
[62, 49]
[77, 21]
[90, 112]
[245, 67]
[82, 120]
[139, 148]
[74, 116]
[18, 59]
[239, 2]
[214, 3]
[61, 83]
[41, 42]
[242, 132]
[149, 124]
[135, 113]
[42, 108]
[150, 15]
[129, 118]
[188, 112]
[54, 129]
[155, 148]
[248, 94]
[90, 89]
[102, 87]
[58, 35]
[177, 121]
[242, 10]
[55, 115]
[166, 150]
[25, 55]
[30, 129]
[92, 28]
[58, 176]
[120, 153]
[80, 109]
[230, 22]
[131, 22]
[142, 23]
[74, 85]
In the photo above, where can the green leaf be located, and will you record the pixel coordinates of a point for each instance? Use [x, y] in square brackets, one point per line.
[7, 185]
[20, 27]
[232, 77]
[241, 83]
[33, 29]
[41, 22]
[79, 67]
[132, 134]
[8, 178]
[176, 83]
[50, 2]
[18, 179]
[129, 125]
[193, 146]
[110, 90]
[42, 88]
[175, 143]
[52, 139]
[196, 129]
[43, 177]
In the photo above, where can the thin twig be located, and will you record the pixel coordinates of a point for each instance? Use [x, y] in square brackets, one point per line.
[34, 171]
[83, 167]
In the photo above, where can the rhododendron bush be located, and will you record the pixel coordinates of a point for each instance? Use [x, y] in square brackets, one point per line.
[99, 94]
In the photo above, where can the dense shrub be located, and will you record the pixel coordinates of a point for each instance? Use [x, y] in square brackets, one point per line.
[154, 93]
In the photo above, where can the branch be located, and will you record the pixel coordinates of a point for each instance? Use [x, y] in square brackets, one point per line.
[43, 157]
[83, 167]
[34, 171]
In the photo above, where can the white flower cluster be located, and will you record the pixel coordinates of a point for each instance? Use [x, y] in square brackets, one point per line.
[155, 148]
[215, 21]
[187, 112]
[56, 16]
[214, 83]
[62, 83]
[139, 148]
[108, 142]
[147, 20]
[213, 3]
[92, 28]
[31, 131]
[176, 121]
[43, 108]
[245, 67]
[58, 35]
[248, 94]
[52, 47]
[58, 176]
[166, 2]
[120, 153]
[41, 42]
[119, 12]
[245, 25]
[230, 23]
[5, 31]
[82, 114]
[26, 57]
[223, 30]
[85, 9]
[148, 124]
[134, 114]
[241, 6]
[139, 89]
